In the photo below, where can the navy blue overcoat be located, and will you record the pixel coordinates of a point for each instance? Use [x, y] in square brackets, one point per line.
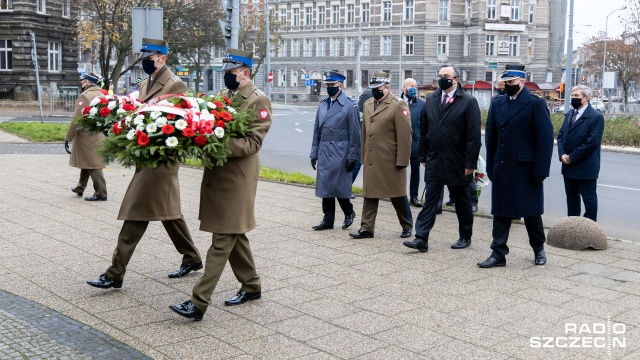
[581, 141]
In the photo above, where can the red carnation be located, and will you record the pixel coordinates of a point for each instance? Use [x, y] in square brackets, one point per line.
[220, 123]
[116, 129]
[218, 104]
[185, 104]
[104, 101]
[143, 139]
[170, 116]
[86, 110]
[226, 99]
[168, 129]
[188, 132]
[105, 111]
[127, 107]
[200, 140]
[226, 116]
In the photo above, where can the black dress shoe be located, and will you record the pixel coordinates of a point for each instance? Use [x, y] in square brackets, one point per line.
[242, 297]
[361, 234]
[188, 310]
[353, 197]
[474, 208]
[415, 202]
[450, 203]
[105, 282]
[185, 269]
[324, 225]
[417, 244]
[406, 233]
[348, 220]
[492, 262]
[95, 197]
[540, 257]
[461, 244]
[76, 191]
[439, 210]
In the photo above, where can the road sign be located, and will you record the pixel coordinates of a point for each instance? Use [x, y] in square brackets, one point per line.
[270, 77]
[471, 82]
[309, 82]
[306, 76]
[492, 67]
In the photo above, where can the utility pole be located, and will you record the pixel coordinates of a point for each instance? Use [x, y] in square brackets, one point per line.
[34, 58]
[235, 24]
[400, 77]
[268, 49]
[231, 25]
[569, 65]
[358, 71]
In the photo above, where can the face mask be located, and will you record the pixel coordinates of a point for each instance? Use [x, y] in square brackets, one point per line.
[502, 92]
[377, 94]
[333, 91]
[148, 66]
[445, 83]
[511, 89]
[576, 103]
[230, 81]
[412, 93]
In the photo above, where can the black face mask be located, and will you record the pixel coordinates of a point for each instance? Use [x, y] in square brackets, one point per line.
[377, 94]
[511, 90]
[333, 91]
[230, 81]
[445, 83]
[502, 92]
[148, 66]
[576, 103]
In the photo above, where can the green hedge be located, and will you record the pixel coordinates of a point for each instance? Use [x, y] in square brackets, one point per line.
[35, 131]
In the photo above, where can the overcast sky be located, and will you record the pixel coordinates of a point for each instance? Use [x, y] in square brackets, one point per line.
[594, 14]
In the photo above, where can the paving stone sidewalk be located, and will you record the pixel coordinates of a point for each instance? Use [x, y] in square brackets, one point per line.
[325, 296]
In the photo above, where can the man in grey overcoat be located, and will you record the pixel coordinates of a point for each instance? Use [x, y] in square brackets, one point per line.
[335, 150]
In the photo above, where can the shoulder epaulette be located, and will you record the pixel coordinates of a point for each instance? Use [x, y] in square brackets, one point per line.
[399, 99]
[259, 92]
[536, 95]
[175, 78]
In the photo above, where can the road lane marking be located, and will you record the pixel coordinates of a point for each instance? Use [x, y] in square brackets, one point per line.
[298, 130]
[296, 124]
[619, 187]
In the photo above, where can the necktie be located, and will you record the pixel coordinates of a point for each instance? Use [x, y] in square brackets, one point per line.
[444, 101]
[575, 117]
[329, 103]
[375, 106]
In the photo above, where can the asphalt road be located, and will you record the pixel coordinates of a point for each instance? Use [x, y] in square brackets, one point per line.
[288, 144]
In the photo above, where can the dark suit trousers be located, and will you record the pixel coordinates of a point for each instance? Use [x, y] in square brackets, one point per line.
[236, 249]
[414, 178]
[97, 177]
[427, 216]
[473, 193]
[370, 211]
[587, 189]
[329, 208]
[501, 226]
[132, 232]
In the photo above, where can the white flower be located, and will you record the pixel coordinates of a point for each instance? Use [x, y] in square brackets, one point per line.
[211, 105]
[112, 105]
[131, 134]
[180, 124]
[110, 97]
[161, 121]
[219, 132]
[127, 120]
[139, 120]
[151, 128]
[200, 101]
[155, 114]
[94, 102]
[93, 111]
[231, 110]
[206, 116]
[120, 111]
[164, 102]
[171, 141]
[139, 127]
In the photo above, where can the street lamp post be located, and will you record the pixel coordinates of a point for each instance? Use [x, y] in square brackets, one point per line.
[604, 56]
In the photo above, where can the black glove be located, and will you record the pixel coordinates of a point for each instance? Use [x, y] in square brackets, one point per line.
[105, 132]
[313, 163]
[351, 164]
[66, 147]
[539, 180]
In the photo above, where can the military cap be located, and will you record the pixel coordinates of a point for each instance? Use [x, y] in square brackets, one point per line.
[379, 79]
[237, 58]
[153, 46]
[511, 72]
[331, 77]
[91, 77]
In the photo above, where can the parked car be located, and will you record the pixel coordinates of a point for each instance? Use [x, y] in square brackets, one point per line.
[599, 105]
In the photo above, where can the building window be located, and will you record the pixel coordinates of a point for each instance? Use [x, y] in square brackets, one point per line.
[308, 15]
[41, 6]
[295, 48]
[350, 47]
[349, 78]
[443, 45]
[66, 8]
[443, 10]
[513, 45]
[6, 4]
[467, 45]
[488, 76]
[55, 60]
[335, 14]
[468, 8]
[351, 13]
[308, 48]
[365, 12]
[386, 11]
[408, 9]
[322, 44]
[364, 78]
[408, 45]
[515, 9]
[321, 14]
[531, 11]
[283, 16]
[408, 74]
[295, 19]
[364, 47]
[385, 49]
[335, 47]
[6, 53]
[282, 51]
[490, 46]
[491, 9]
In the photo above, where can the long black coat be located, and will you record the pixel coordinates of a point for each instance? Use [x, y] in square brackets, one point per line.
[416, 108]
[581, 141]
[450, 138]
[519, 142]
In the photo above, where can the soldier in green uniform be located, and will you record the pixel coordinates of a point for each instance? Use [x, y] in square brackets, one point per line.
[228, 193]
[83, 153]
[153, 194]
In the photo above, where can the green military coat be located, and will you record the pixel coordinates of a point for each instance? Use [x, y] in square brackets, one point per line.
[83, 151]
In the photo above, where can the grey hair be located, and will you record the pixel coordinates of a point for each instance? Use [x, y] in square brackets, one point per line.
[456, 73]
[584, 90]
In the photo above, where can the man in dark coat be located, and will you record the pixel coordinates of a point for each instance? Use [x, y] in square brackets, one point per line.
[579, 141]
[416, 106]
[519, 142]
[335, 150]
[449, 149]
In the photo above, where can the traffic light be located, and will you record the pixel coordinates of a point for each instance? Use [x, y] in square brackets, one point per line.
[227, 7]
[225, 24]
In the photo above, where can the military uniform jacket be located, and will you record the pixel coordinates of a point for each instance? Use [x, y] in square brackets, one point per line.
[154, 194]
[83, 151]
[519, 143]
[386, 147]
[450, 138]
[336, 139]
[228, 192]
[581, 141]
